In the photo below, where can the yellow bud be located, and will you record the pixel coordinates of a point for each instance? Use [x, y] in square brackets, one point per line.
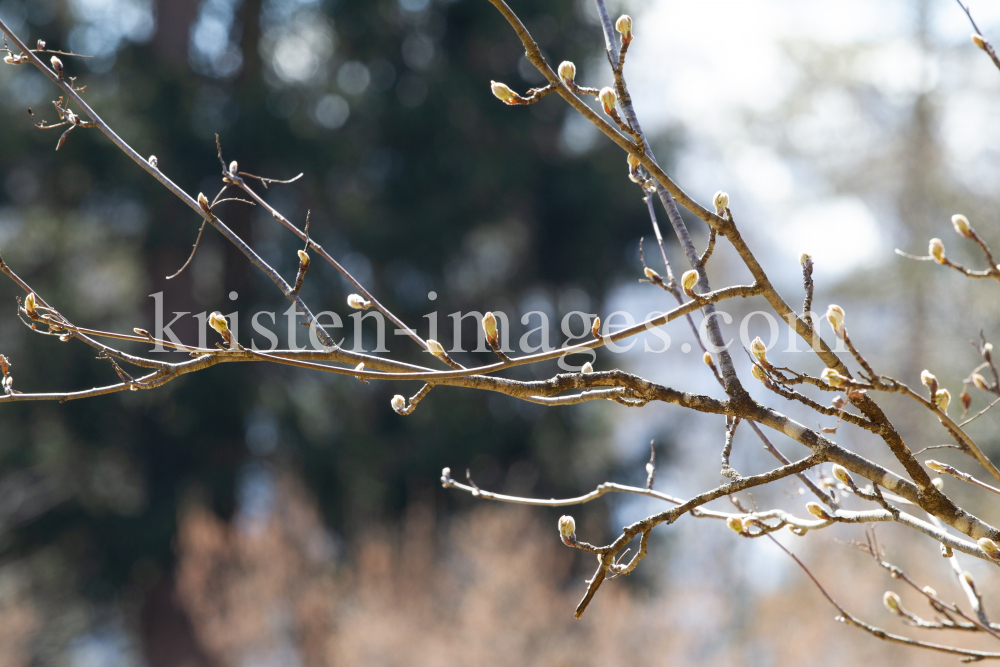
[967, 578]
[707, 358]
[980, 382]
[990, 547]
[835, 316]
[358, 302]
[962, 225]
[567, 526]
[608, 99]
[943, 399]
[567, 71]
[936, 466]
[435, 347]
[398, 403]
[840, 472]
[502, 91]
[633, 161]
[805, 258]
[891, 601]
[936, 250]
[832, 377]
[651, 274]
[624, 26]
[29, 305]
[218, 322]
[721, 201]
[587, 368]
[758, 373]
[490, 325]
[689, 280]
[595, 328]
[735, 523]
[979, 41]
[817, 510]
[758, 349]
[303, 257]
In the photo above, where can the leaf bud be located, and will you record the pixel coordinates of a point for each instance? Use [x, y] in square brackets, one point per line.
[840, 472]
[567, 528]
[688, 281]
[218, 322]
[587, 368]
[990, 547]
[29, 305]
[835, 316]
[721, 201]
[358, 302]
[502, 91]
[57, 66]
[652, 275]
[938, 483]
[608, 99]
[758, 349]
[927, 378]
[962, 225]
[567, 71]
[153, 162]
[979, 41]
[435, 348]
[758, 373]
[735, 523]
[490, 326]
[595, 328]
[838, 402]
[707, 358]
[980, 382]
[936, 250]
[40, 45]
[891, 602]
[967, 578]
[203, 203]
[942, 399]
[398, 403]
[233, 168]
[929, 591]
[832, 377]
[817, 510]
[936, 466]
[624, 26]
[805, 258]
[303, 257]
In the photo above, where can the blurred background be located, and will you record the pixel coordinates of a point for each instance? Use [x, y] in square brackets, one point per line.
[256, 515]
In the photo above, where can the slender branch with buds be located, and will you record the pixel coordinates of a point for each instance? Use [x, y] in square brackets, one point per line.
[887, 496]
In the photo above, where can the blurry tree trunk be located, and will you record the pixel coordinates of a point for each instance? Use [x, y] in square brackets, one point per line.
[167, 636]
[173, 22]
